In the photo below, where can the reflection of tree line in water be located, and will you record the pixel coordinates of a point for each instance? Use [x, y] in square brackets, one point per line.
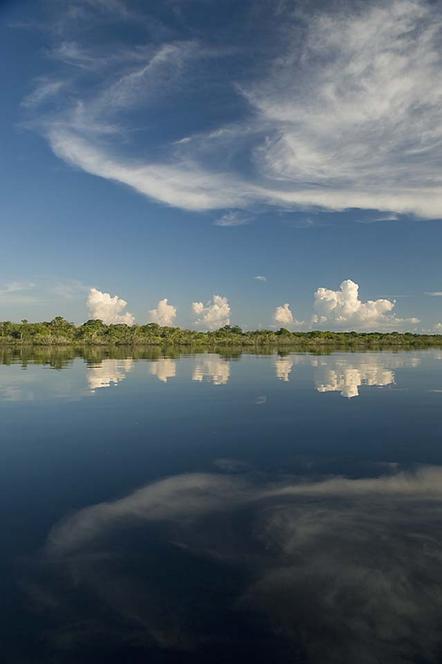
[58, 357]
[332, 372]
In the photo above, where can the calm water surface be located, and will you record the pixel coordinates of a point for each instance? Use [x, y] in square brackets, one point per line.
[221, 508]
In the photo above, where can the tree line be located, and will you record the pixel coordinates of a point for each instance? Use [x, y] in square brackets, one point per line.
[60, 332]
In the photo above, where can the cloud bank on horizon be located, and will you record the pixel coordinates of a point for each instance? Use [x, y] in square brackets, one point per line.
[341, 309]
[340, 107]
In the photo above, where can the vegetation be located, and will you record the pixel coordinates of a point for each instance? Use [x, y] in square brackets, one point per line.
[60, 332]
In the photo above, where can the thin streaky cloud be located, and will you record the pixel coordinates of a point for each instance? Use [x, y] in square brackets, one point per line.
[371, 74]
[233, 218]
[15, 287]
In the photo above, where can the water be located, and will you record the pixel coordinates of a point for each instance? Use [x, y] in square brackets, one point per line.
[221, 508]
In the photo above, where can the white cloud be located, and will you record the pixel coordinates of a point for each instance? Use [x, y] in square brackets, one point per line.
[260, 277]
[233, 218]
[356, 110]
[163, 369]
[214, 314]
[347, 115]
[344, 309]
[164, 314]
[434, 293]
[214, 368]
[283, 315]
[108, 308]
[181, 184]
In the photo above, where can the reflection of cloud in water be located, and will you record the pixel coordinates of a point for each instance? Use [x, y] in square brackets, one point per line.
[284, 366]
[107, 373]
[213, 368]
[348, 380]
[163, 368]
[347, 570]
[346, 374]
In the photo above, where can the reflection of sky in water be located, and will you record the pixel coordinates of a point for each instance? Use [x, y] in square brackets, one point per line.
[347, 374]
[284, 366]
[164, 369]
[346, 570]
[151, 515]
[213, 368]
[107, 373]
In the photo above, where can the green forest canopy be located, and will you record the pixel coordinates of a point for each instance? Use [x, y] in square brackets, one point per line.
[94, 332]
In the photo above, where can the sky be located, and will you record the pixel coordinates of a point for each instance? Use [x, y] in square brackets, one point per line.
[209, 162]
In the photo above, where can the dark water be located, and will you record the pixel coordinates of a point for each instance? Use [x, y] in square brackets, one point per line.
[216, 508]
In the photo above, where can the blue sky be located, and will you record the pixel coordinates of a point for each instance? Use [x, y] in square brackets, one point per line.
[179, 149]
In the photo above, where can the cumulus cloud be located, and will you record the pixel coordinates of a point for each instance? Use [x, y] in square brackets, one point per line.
[283, 315]
[108, 308]
[345, 114]
[164, 314]
[214, 314]
[343, 309]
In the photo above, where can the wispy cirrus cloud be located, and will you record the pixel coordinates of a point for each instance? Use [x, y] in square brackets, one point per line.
[345, 114]
[15, 287]
[69, 289]
[232, 218]
[18, 292]
[44, 90]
